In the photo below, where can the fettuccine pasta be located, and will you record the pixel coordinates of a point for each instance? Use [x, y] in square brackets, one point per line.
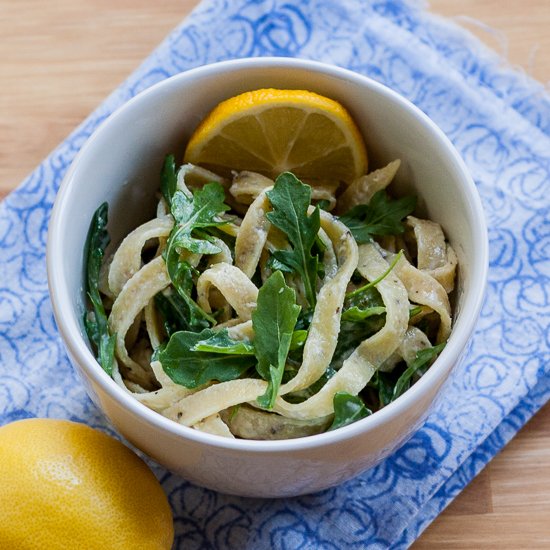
[271, 309]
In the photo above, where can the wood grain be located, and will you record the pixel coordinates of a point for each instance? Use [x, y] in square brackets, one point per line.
[508, 505]
[517, 30]
[59, 60]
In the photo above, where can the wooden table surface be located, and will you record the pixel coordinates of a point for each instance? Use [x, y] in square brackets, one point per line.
[59, 60]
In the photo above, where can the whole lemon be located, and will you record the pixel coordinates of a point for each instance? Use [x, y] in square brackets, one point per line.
[65, 485]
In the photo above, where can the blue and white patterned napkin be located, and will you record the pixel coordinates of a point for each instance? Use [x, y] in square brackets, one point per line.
[499, 121]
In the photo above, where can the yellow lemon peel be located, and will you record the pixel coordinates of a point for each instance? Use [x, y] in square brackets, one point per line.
[272, 131]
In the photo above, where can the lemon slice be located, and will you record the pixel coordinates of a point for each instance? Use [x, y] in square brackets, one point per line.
[272, 131]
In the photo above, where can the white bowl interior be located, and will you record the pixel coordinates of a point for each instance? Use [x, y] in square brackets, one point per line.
[120, 164]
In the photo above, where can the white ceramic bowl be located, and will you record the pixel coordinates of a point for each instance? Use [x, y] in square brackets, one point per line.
[120, 164]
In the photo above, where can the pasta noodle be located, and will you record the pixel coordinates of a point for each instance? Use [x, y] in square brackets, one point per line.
[238, 325]
[363, 188]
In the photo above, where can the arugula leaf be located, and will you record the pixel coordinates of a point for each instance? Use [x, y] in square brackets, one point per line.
[304, 394]
[304, 319]
[96, 321]
[347, 409]
[181, 274]
[324, 204]
[414, 311]
[273, 320]
[92, 330]
[234, 411]
[383, 383]
[229, 240]
[275, 265]
[299, 338]
[191, 213]
[372, 284]
[168, 179]
[352, 334]
[290, 199]
[381, 216]
[197, 211]
[220, 342]
[194, 368]
[419, 365]
[174, 312]
[363, 315]
[357, 314]
[368, 297]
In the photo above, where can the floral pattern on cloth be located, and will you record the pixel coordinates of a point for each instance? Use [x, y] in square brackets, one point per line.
[498, 119]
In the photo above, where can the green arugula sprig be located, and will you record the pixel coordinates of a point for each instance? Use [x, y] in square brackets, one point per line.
[347, 409]
[221, 342]
[414, 311]
[175, 313]
[419, 366]
[290, 199]
[365, 301]
[193, 359]
[381, 216]
[168, 179]
[299, 338]
[352, 333]
[356, 314]
[383, 383]
[273, 320]
[192, 215]
[390, 385]
[363, 315]
[96, 321]
[200, 210]
[191, 368]
[372, 284]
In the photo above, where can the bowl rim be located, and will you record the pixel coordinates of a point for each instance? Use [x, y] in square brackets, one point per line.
[461, 332]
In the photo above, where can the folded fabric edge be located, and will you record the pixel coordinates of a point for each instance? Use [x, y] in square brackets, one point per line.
[496, 65]
[400, 37]
[120, 96]
[473, 465]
